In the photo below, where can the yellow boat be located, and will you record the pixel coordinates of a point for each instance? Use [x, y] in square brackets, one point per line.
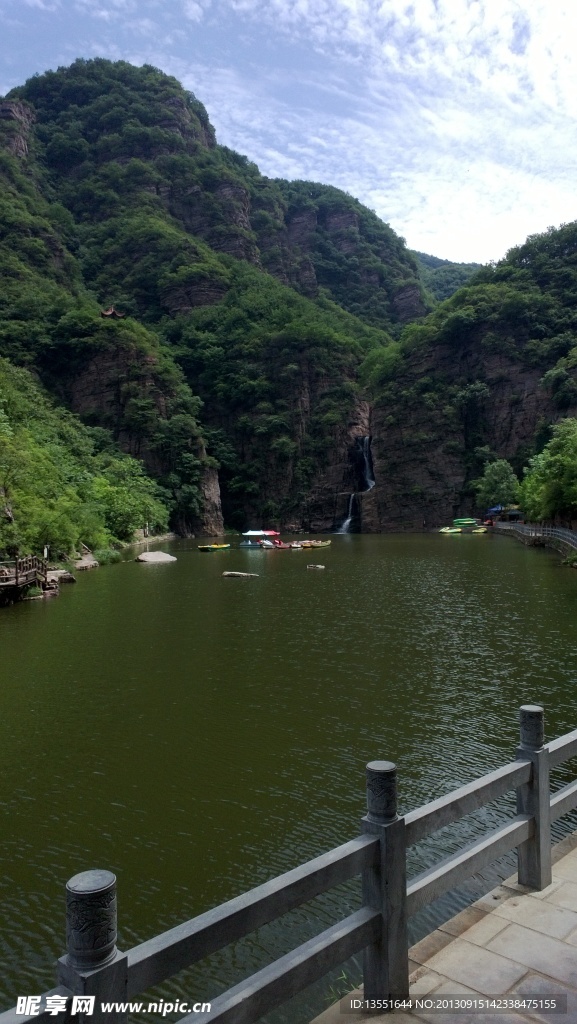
[213, 547]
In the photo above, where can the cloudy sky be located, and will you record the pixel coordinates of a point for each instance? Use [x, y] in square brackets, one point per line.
[454, 119]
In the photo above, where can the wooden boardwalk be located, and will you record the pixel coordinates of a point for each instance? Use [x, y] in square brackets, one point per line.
[20, 573]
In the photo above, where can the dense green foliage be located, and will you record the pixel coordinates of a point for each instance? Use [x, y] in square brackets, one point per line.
[124, 147]
[442, 278]
[549, 489]
[62, 483]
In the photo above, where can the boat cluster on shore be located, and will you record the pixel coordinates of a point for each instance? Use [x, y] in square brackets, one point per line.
[464, 526]
[267, 540]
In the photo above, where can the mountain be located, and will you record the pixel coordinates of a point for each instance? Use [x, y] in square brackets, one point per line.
[249, 303]
[483, 376]
[442, 278]
[265, 326]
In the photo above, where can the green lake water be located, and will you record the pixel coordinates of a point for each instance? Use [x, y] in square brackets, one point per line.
[198, 735]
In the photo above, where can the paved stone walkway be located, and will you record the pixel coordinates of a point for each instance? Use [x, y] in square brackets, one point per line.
[512, 942]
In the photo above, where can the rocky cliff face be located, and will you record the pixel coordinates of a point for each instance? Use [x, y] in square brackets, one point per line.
[189, 124]
[422, 445]
[103, 393]
[334, 244]
[16, 120]
[328, 501]
[220, 215]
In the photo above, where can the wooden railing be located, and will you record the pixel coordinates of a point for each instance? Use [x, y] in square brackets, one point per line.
[94, 967]
[22, 572]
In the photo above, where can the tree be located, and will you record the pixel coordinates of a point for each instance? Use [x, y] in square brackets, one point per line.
[550, 485]
[498, 485]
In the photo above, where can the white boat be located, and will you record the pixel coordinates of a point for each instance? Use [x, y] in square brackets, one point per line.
[257, 538]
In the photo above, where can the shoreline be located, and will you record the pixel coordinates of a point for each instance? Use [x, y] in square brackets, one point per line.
[157, 538]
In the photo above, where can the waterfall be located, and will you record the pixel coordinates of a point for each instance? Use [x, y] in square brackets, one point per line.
[369, 473]
[362, 464]
[346, 525]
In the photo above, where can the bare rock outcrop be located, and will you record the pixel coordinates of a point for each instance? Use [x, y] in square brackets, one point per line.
[17, 118]
[210, 522]
[203, 291]
[408, 303]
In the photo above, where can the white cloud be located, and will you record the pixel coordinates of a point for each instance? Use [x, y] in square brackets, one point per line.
[195, 10]
[109, 10]
[464, 113]
[43, 5]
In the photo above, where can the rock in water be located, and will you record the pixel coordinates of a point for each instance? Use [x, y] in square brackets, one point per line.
[155, 556]
[315, 566]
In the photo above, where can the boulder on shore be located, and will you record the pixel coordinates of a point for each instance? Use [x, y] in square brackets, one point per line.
[154, 556]
[59, 576]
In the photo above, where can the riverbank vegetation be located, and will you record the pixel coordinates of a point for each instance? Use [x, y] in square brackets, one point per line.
[62, 483]
[549, 490]
[497, 486]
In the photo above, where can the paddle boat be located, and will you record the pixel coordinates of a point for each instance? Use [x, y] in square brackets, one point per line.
[254, 538]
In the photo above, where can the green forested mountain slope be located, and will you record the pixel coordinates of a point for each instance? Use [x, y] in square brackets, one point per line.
[484, 375]
[442, 278]
[114, 373]
[114, 140]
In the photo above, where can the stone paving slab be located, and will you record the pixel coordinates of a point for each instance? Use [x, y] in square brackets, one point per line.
[513, 942]
[564, 894]
[549, 920]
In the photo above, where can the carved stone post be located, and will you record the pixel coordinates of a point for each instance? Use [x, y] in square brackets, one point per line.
[93, 966]
[534, 855]
[386, 962]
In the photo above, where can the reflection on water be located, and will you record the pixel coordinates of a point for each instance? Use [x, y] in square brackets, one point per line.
[199, 735]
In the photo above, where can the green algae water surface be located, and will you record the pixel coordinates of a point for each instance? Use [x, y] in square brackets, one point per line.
[199, 735]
